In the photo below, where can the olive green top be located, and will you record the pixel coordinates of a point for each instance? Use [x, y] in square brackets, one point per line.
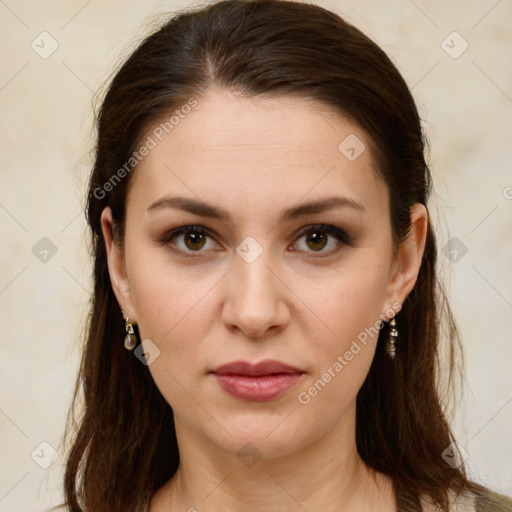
[494, 503]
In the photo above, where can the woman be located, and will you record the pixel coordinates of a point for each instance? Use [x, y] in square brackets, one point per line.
[263, 246]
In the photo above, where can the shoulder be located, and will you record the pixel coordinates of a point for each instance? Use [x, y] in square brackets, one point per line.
[461, 502]
[63, 508]
[493, 502]
[487, 501]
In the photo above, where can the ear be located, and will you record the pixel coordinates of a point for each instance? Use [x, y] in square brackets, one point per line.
[408, 258]
[116, 265]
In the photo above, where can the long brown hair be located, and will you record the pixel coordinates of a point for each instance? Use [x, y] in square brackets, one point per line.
[120, 429]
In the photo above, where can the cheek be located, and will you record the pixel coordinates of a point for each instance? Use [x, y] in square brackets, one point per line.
[164, 296]
[348, 302]
[174, 311]
[349, 306]
[173, 318]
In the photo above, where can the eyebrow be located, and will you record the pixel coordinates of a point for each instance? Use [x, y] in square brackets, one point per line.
[198, 207]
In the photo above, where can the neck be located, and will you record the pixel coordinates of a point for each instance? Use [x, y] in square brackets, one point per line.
[326, 475]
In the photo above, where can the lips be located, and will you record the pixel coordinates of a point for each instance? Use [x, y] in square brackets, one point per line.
[257, 382]
[266, 367]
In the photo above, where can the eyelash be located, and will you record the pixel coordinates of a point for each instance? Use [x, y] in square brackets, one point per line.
[337, 233]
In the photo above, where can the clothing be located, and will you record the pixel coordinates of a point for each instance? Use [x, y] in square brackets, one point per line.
[494, 503]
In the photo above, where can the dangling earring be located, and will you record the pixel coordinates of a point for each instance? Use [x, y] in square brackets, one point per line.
[130, 340]
[393, 335]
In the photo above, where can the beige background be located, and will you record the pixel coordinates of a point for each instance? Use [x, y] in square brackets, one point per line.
[45, 142]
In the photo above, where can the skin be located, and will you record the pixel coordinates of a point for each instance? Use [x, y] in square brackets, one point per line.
[254, 158]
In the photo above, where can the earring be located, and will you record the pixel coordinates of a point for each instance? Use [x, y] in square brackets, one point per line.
[393, 335]
[130, 340]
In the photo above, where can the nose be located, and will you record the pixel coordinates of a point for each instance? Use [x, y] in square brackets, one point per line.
[256, 297]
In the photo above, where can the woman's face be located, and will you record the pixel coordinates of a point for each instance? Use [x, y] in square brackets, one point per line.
[260, 282]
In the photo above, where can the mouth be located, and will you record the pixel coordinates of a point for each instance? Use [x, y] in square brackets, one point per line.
[257, 382]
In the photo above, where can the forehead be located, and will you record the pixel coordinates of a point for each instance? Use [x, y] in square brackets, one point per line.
[270, 149]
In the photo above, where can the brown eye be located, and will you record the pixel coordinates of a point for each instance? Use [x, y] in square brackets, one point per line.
[194, 241]
[189, 240]
[318, 237]
[316, 240]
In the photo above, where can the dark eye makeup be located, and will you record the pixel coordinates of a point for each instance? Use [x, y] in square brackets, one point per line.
[316, 233]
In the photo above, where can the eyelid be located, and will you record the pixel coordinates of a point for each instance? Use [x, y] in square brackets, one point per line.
[168, 236]
[185, 229]
[343, 239]
[339, 233]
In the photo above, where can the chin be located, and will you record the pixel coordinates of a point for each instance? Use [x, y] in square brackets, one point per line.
[262, 438]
